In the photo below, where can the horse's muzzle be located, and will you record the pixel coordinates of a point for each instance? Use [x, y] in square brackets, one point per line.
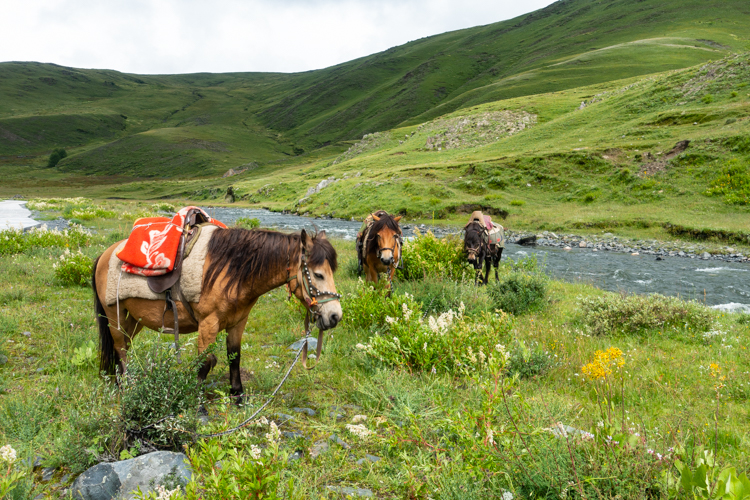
[387, 261]
[328, 322]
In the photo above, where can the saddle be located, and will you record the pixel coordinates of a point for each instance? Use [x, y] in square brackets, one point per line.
[156, 248]
[494, 234]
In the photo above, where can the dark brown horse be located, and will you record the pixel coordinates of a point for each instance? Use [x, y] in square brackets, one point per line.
[379, 245]
[480, 251]
[240, 266]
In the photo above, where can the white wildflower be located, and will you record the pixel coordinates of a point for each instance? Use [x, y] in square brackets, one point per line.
[274, 434]
[361, 347]
[433, 371]
[461, 308]
[507, 495]
[255, 452]
[359, 418]
[490, 437]
[407, 311]
[8, 454]
[261, 422]
[390, 321]
[424, 347]
[433, 325]
[164, 494]
[359, 430]
[380, 421]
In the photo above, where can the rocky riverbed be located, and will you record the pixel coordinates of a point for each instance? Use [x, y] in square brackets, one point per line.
[608, 242]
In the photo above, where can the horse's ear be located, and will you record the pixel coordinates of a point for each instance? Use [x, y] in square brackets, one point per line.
[396, 219]
[321, 235]
[303, 239]
[375, 217]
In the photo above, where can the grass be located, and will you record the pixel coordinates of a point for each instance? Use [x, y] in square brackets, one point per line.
[669, 391]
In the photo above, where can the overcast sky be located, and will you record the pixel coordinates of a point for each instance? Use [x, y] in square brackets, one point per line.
[185, 36]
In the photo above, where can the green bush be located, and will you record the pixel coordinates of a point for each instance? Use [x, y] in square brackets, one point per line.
[369, 306]
[55, 157]
[425, 255]
[73, 269]
[13, 241]
[529, 361]
[247, 223]
[90, 213]
[447, 343]
[519, 291]
[733, 182]
[632, 314]
[163, 207]
[439, 294]
[159, 396]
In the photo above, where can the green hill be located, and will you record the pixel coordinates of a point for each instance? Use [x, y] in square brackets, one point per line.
[203, 124]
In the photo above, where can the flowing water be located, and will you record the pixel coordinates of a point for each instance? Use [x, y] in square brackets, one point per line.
[723, 285]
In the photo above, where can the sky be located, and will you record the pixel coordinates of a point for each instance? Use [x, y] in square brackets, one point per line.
[187, 36]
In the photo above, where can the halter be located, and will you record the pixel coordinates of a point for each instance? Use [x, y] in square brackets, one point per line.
[310, 294]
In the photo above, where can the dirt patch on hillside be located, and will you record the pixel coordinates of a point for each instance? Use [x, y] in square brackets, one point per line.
[654, 165]
[369, 142]
[477, 130]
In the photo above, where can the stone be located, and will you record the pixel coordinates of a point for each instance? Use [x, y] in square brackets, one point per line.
[283, 418]
[308, 411]
[120, 479]
[335, 439]
[47, 474]
[582, 244]
[336, 415]
[567, 248]
[346, 491]
[705, 255]
[292, 434]
[298, 454]
[319, 447]
[26, 334]
[312, 344]
[3, 359]
[368, 458]
[100, 482]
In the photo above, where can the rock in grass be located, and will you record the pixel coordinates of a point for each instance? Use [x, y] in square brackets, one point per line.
[308, 411]
[318, 448]
[311, 346]
[120, 479]
[335, 439]
[368, 458]
[350, 491]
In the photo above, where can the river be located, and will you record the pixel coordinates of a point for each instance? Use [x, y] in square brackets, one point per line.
[722, 285]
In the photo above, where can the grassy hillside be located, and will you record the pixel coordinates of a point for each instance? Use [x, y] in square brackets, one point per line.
[203, 124]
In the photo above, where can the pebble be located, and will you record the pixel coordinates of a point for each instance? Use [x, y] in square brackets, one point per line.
[335, 439]
[368, 458]
[308, 411]
[349, 491]
[318, 447]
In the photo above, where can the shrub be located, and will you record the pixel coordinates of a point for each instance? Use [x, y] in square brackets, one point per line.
[519, 291]
[55, 157]
[425, 255]
[517, 203]
[159, 396]
[448, 343]
[90, 213]
[632, 314]
[369, 306]
[73, 269]
[247, 223]
[13, 241]
[163, 207]
[529, 361]
[438, 294]
[733, 182]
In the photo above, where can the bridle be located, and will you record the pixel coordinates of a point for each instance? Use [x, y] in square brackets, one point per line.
[310, 294]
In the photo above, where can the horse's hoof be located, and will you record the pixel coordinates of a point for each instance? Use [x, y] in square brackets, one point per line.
[239, 399]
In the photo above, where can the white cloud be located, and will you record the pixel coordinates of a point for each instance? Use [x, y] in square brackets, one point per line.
[171, 36]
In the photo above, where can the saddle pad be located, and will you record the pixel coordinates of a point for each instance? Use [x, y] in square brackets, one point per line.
[135, 286]
[151, 248]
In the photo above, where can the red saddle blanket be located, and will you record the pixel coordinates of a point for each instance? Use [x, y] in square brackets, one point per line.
[151, 249]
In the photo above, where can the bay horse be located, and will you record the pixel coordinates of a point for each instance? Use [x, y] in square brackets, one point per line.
[379, 246]
[479, 250]
[240, 266]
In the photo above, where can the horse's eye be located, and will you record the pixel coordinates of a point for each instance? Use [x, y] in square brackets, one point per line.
[319, 276]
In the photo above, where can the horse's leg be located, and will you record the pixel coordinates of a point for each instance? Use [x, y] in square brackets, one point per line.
[234, 350]
[123, 337]
[208, 328]
[371, 273]
[487, 267]
[497, 262]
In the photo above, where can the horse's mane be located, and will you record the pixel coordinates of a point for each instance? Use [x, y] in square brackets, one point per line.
[385, 221]
[250, 254]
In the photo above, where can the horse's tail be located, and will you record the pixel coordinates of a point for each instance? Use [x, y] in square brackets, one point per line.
[107, 354]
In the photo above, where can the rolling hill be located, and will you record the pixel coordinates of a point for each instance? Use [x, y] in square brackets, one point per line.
[203, 124]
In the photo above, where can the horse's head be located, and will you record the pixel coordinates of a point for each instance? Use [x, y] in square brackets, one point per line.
[318, 290]
[474, 243]
[386, 242]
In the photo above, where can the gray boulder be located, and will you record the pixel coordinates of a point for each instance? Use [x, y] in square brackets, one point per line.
[120, 479]
[312, 344]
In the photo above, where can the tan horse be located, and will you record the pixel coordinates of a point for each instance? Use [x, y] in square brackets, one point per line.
[381, 246]
[240, 266]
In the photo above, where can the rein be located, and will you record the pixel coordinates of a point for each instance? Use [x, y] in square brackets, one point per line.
[310, 293]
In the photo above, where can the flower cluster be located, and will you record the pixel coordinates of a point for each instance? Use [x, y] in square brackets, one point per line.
[359, 430]
[164, 494]
[8, 454]
[274, 434]
[604, 363]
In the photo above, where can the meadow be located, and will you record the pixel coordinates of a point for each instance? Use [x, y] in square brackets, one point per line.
[443, 390]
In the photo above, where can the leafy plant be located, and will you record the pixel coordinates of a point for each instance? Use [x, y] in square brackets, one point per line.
[632, 314]
[426, 255]
[55, 157]
[14, 241]
[84, 355]
[73, 269]
[529, 361]
[159, 396]
[247, 222]
[519, 291]
[705, 481]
